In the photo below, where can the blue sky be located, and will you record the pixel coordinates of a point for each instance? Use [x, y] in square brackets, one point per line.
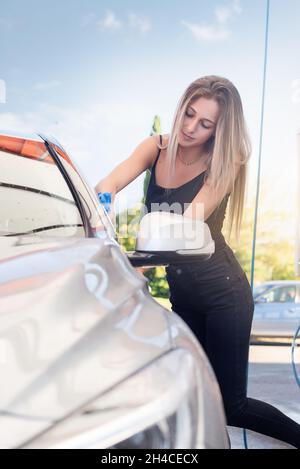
[94, 74]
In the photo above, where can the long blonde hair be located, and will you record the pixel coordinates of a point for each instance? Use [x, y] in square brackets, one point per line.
[229, 145]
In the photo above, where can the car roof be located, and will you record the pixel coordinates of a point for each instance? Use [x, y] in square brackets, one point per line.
[279, 282]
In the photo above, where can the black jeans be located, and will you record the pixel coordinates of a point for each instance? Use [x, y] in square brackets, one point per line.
[215, 299]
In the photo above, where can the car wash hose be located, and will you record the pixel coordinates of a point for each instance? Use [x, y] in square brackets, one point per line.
[294, 345]
[258, 169]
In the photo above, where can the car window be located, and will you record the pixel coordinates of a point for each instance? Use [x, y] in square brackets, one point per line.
[34, 197]
[286, 294]
[259, 289]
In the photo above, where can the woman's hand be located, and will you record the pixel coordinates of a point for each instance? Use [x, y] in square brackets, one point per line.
[141, 270]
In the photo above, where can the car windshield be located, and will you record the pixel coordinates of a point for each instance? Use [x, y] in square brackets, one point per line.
[259, 289]
[34, 197]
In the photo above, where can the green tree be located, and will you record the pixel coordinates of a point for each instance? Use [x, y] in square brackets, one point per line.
[274, 253]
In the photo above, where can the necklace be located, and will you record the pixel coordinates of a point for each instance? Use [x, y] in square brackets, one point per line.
[190, 162]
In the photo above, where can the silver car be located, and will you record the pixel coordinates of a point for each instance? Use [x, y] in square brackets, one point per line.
[88, 358]
[277, 308]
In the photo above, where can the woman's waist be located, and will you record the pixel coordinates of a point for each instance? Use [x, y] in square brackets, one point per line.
[222, 259]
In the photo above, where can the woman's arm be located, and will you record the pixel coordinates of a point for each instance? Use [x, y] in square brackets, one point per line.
[206, 200]
[203, 204]
[141, 159]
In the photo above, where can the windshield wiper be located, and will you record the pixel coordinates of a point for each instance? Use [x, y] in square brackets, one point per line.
[43, 228]
[37, 191]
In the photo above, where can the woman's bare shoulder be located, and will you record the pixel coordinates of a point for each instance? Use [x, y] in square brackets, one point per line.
[165, 139]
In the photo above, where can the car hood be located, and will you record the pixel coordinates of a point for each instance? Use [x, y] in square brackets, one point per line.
[75, 320]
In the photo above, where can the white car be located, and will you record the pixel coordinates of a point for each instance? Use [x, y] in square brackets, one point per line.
[88, 358]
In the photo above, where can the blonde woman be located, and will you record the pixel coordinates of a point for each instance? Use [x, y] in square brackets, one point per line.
[200, 166]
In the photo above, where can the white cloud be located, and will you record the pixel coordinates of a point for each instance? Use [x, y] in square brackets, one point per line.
[109, 22]
[138, 22]
[44, 86]
[218, 30]
[207, 33]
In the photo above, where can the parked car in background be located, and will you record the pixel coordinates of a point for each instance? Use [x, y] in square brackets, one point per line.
[88, 358]
[277, 308]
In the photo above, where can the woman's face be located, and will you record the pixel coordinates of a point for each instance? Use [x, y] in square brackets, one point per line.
[199, 122]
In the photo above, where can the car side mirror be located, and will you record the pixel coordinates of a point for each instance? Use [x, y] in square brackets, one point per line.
[164, 238]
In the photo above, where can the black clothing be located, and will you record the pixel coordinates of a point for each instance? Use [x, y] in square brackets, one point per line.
[215, 299]
[184, 195]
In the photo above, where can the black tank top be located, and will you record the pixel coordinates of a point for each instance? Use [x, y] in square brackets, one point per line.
[184, 195]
